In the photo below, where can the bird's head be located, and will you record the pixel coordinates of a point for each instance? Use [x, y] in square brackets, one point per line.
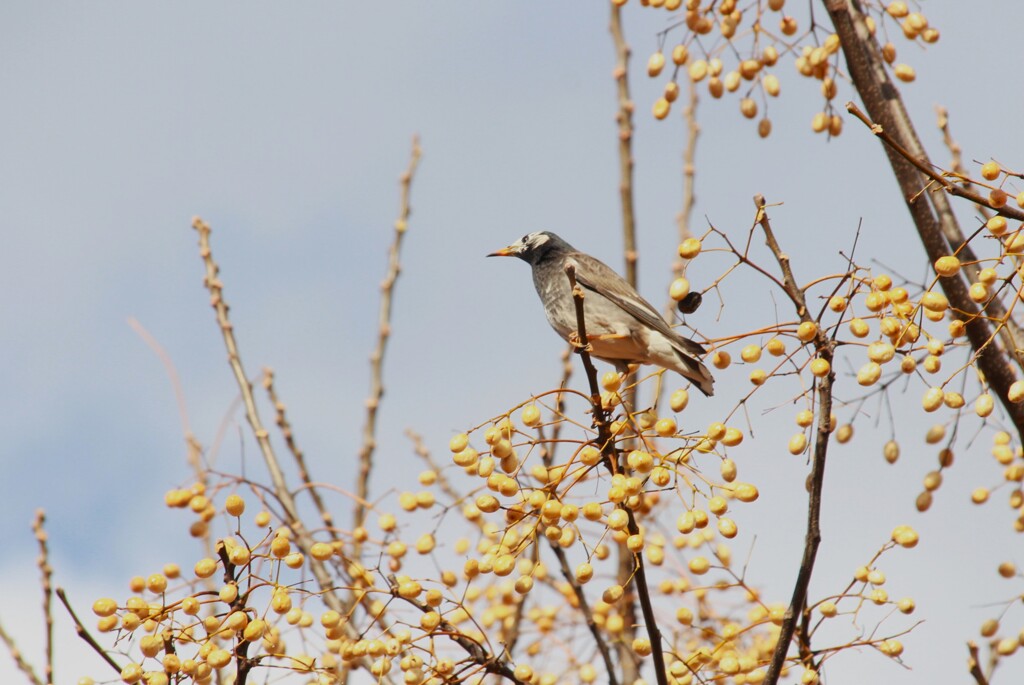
[533, 247]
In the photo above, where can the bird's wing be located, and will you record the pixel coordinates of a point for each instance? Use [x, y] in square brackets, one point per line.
[596, 276]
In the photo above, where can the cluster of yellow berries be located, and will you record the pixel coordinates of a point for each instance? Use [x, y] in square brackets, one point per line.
[555, 500]
[193, 629]
[816, 58]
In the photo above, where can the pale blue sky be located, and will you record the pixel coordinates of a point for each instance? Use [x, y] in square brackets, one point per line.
[286, 126]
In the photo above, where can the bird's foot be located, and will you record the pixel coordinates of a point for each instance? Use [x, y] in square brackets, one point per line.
[578, 346]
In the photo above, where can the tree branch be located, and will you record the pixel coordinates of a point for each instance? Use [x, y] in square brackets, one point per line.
[825, 349]
[607, 446]
[383, 333]
[933, 217]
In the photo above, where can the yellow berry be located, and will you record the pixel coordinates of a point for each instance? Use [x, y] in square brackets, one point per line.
[661, 108]
[665, 427]
[699, 565]
[234, 505]
[932, 399]
[679, 399]
[679, 289]
[530, 414]
[1016, 392]
[905, 73]
[655, 64]
[459, 442]
[869, 374]
[680, 54]
[990, 171]
[689, 248]
[984, 405]
[947, 266]
[891, 452]
[798, 443]
[996, 225]
[806, 331]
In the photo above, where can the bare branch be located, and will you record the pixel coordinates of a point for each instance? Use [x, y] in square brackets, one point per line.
[625, 120]
[81, 631]
[281, 419]
[280, 486]
[825, 349]
[974, 664]
[383, 333]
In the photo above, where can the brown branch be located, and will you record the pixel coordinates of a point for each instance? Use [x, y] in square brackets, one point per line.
[637, 576]
[974, 664]
[956, 163]
[383, 333]
[172, 373]
[303, 538]
[686, 211]
[624, 117]
[19, 660]
[924, 166]
[46, 579]
[825, 349]
[81, 631]
[689, 168]
[281, 419]
[477, 654]
[933, 217]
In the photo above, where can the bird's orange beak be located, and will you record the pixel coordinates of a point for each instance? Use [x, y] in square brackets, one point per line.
[503, 252]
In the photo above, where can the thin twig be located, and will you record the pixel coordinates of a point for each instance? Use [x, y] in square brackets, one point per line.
[624, 117]
[81, 631]
[824, 348]
[925, 168]
[19, 660]
[689, 167]
[280, 486]
[974, 664]
[477, 654]
[686, 210]
[281, 419]
[383, 333]
[46, 580]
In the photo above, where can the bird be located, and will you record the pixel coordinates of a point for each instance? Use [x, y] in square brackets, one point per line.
[623, 328]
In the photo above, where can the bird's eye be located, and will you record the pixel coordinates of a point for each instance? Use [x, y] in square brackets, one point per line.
[526, 238]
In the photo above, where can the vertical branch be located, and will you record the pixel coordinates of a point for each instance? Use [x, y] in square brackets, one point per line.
[281, 419]
[974, 664]
[280, 488]
[689, 167]
[383, 333]
[933, 217]
[635, 563]
[46, 573]
[46, 579]
[686, 209]
[624, 117]
[19, 659]
[83, 633]
[825, 349]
